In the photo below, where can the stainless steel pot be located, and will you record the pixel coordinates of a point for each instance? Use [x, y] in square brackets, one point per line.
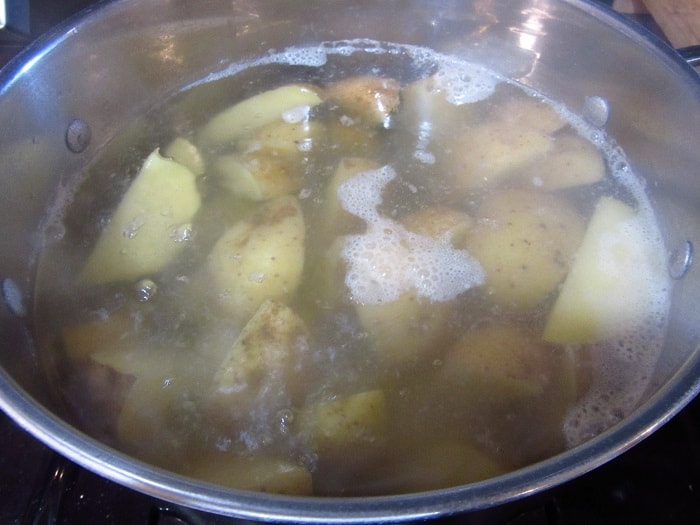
[64, 98]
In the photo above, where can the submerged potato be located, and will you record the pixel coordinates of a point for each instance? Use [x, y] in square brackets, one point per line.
[405, 331]
[183, 151]
[335, 220]
[573, 161]
[257, 473]
[258, 176]
[371, 99]
[144, 233]
[253, 113]
[259, 258]
[615, 280]
[263, 363]
[358, 420]
[525, 242]
[438, 221]
[496, 364]
[487, 154]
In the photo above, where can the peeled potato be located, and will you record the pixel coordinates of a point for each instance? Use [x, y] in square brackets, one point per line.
[371, 99]
[573, 161]
[142, 235]
[615, 281]
[258, 176]
[257, 111]
[525, 241]
[259, 258]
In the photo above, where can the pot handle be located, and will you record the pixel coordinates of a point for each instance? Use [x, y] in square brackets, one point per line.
[690, 54]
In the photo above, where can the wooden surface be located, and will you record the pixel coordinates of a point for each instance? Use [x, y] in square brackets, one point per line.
[678, 19]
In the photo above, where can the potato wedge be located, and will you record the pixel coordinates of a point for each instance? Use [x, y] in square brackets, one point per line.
[296, 139]
[259, 258]
[438, 221]
[615, 283]
[183, 151]
[258, 176]
[244, 118]
[82, 340]
[371, 99]
[573, 161]
[525, 242]
[256, 473]
[141, 237]
[266, 353]
[405, 331]
[335, 220]
[491, 152]
[352, 421]
[496, 364]
[530, 112]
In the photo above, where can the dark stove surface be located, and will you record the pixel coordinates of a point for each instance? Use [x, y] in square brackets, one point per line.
[657, 482]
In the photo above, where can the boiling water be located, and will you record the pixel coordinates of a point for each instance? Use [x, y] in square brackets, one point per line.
[145, 375]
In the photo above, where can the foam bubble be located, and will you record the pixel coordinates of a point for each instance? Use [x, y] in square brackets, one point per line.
[388, 261]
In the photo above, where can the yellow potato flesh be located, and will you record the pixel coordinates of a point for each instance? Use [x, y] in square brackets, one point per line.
[259, 258]
[612, 283]
[255, 112]
[143, 234]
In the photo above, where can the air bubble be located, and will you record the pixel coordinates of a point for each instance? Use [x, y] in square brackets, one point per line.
[146, 289]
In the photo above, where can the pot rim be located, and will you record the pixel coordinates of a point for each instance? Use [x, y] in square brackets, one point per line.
[118, 467]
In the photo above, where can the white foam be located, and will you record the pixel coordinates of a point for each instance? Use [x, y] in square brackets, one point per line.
[388, 261]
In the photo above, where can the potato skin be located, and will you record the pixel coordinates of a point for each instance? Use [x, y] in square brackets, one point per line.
[525, 241]
[259, 258]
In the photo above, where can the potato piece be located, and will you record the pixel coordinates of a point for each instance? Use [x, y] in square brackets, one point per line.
[351, 139]
[437, 221]
[258, 176]
[158, 417]
[296, 139]
[496, 364]
[406, 330]
[259, 258]
[358, 420]
[425, 101]
[371, 99]
[525, 242]
[335, 220]
[263, 362]
[141, 237]
[287, 103]
[573, 161]
[183, 151]
[436, 464]
[530, 112]
[82, 340]
[256, 473]
[615, 282]
[491, 152]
